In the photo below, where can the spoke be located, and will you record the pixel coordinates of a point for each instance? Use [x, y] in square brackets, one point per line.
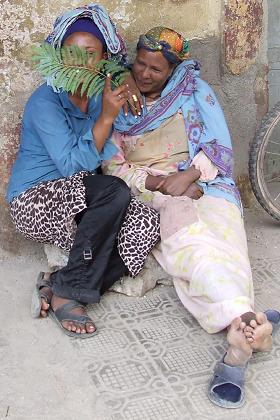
[272, 179]
[273, 142]
[272, 153]
[276, 198]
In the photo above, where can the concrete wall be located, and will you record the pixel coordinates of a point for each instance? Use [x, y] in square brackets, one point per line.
[227, 36]
[273, 41]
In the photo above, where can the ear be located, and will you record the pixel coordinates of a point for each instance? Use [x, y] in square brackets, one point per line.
[105, 56]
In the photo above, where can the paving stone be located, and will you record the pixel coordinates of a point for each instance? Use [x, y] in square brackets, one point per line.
[151, 359]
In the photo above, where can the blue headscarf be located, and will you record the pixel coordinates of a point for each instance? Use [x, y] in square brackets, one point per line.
[85, 25]
[103, 28]
[114, 42]
[206, 128]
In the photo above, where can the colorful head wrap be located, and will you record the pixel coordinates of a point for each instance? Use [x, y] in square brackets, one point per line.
[114, 42]
[170, 43]
[84, 25]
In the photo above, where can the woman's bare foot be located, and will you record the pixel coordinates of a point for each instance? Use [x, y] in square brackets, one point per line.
[239, 351]
[46, 296]
[258, 333]
[73, 326]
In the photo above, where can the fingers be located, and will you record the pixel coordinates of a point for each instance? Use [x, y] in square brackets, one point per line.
[134, 96]
[134, 103]
[120, 95]
[140, 99]
[125, 108]
[160, 184]
[120, 91]
[122, 102]
[107, 86]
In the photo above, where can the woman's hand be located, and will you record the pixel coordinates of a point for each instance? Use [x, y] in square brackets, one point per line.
[112, 101]
[177, 184]
[152, 182]
[134, 99]
[174, 185]
[194, 191]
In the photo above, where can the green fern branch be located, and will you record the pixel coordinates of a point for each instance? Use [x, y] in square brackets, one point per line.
[68, 69]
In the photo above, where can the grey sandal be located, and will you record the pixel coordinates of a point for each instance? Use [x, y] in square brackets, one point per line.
[273, 317]
[38, 294]
[226, 388]
[63, 313]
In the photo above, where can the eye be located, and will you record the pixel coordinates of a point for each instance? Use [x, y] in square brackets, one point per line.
[140, 64]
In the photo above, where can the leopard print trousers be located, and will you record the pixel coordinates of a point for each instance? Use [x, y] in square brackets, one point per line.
[46, 213]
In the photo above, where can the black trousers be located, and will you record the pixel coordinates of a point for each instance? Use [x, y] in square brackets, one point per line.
[94, 263]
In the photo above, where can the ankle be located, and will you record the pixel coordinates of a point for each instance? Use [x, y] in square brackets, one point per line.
[237, 357]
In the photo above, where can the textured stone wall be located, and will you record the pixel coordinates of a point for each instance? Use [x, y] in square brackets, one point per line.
[274, 51]
[227, 36]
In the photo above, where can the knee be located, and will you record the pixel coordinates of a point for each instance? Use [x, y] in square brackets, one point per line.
[107, 185]
[121, 190]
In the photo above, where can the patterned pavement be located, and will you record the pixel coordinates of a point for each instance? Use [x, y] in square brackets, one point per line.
[151, 360]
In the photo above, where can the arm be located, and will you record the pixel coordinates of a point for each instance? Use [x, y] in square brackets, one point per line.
[135, 177]
[215, 139]
[112, 102]
[69, 152]
[178, 183]
[153, 182]
[142, 179]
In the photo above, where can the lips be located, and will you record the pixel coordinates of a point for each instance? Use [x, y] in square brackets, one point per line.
[142, 83]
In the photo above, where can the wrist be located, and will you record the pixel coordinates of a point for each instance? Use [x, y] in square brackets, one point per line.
[152, 182]
[106, 119]
[191, 174]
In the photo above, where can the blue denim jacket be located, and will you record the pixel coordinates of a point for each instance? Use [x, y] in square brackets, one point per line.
[56, 140]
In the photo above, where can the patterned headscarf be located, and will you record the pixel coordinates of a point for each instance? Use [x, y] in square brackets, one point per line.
[114, 42]
[170, 43]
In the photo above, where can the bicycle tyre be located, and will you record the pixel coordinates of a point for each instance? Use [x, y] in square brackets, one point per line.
[256, 162]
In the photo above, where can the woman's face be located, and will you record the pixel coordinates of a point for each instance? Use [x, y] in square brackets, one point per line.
[88, 42]
[151, 71]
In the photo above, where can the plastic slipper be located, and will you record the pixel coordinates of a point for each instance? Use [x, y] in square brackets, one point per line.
[226, 389]
[38, 294]
[273, 316]
[63, 313]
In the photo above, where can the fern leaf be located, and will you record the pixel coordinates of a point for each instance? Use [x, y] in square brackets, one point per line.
[91, 90]
[99, 88]
[66, 56]
[93, 86]
[96, 86]
[62, 77]
[70, 69]
[86, 82]
[75, 80]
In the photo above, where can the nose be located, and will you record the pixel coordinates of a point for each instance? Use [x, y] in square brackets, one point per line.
[146, 73]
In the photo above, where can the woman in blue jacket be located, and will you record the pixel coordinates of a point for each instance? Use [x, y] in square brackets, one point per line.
[55, 194]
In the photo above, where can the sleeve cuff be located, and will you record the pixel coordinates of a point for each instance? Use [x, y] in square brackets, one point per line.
[108, 150]
[208, 170]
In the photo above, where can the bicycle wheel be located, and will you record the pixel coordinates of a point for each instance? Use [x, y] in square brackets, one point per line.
[264, 163]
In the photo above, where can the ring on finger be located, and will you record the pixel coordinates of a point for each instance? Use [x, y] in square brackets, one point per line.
[134, 97]
[120, 96]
